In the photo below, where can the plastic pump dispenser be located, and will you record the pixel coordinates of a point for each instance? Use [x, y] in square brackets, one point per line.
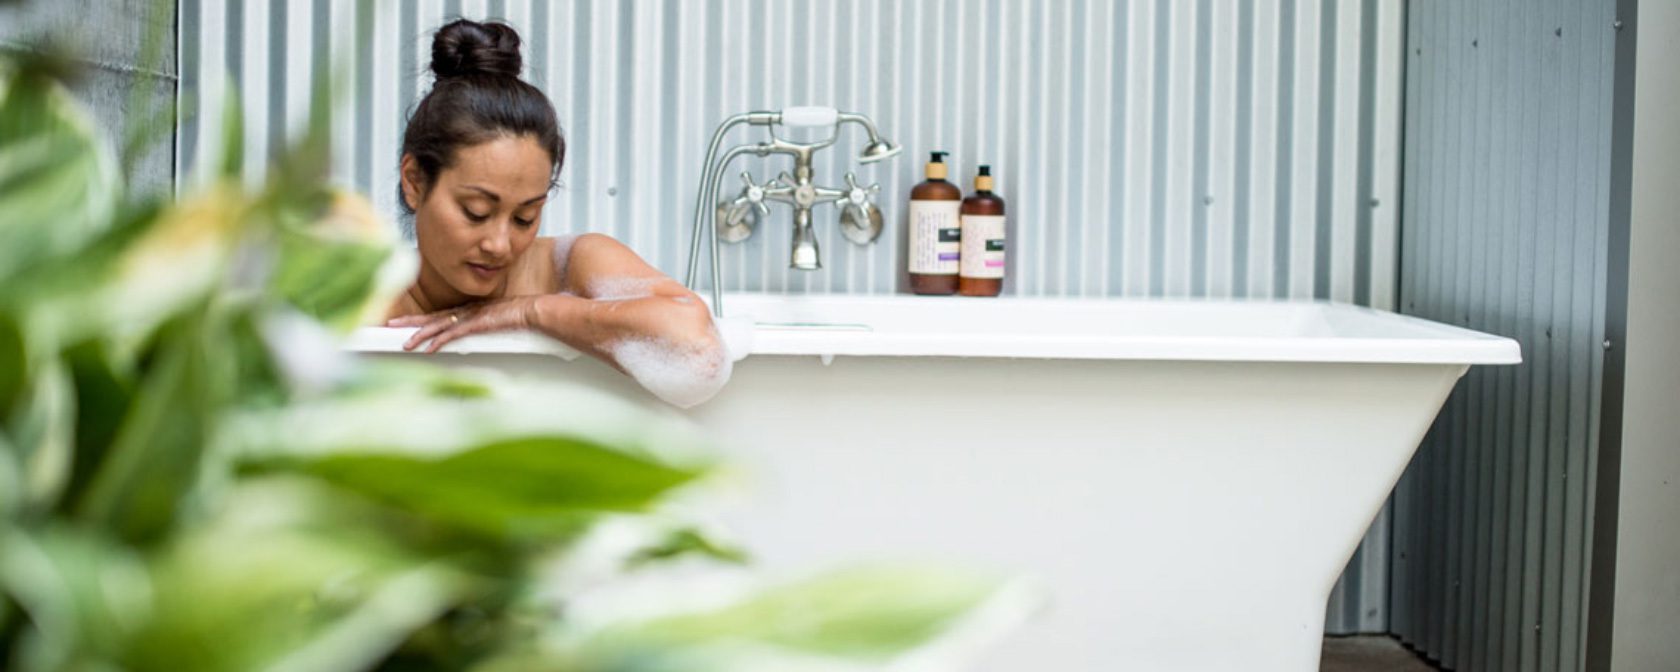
[983, 229]
[935, 231]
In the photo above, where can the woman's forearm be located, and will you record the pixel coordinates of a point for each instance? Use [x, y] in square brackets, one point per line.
[594, 325]
[667, 343]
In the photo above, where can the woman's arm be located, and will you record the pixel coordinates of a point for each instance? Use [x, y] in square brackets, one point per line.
[608, 295]
[613, 306]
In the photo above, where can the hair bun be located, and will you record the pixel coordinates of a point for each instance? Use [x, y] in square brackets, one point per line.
[463, 48]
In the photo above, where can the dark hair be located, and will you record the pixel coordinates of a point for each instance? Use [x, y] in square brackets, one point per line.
[477, 97]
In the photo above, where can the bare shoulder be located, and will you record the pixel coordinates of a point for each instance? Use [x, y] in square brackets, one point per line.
[595, 261]
[599, 248]
[594, 254]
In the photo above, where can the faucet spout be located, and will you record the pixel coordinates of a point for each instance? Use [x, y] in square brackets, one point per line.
[806, 256]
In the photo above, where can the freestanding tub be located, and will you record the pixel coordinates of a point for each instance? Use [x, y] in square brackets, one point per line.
[1186, 478]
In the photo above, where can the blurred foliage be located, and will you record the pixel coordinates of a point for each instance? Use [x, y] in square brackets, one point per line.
[193, 475]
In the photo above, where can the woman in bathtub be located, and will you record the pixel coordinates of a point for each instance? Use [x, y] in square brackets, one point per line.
[479, 159]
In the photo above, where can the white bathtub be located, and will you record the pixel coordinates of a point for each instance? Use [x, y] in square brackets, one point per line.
[1187, 478]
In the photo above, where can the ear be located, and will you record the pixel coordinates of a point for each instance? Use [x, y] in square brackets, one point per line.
[413, 182]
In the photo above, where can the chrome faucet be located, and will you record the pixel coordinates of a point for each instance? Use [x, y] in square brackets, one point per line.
[734, 220]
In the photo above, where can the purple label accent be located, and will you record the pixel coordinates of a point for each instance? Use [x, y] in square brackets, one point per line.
[994, 264]
[947, 256]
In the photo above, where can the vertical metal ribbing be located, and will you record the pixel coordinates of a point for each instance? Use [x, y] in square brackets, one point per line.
[1221, 161]
[205, 128]
[342, 33]
[298, 70]
[1300, 260]
[1507, 138]
[252, 50]
[1387, 110]
[1177, 206]
[1341, 251]
[1266, 74]
[1062, 173]
[1146, 147]
[1041, 199]
[1098, 166]
[1140, 94]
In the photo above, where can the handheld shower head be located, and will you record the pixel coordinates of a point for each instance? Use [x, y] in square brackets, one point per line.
[879, 149]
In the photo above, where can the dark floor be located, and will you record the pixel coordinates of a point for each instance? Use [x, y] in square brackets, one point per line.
[1370, 653]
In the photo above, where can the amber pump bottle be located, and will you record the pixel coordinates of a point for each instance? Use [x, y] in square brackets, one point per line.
[935, 231]
[981, 270]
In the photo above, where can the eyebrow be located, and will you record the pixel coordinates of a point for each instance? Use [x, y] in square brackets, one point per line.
[497, 198]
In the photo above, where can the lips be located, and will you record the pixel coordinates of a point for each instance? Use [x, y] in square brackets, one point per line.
[484, 271]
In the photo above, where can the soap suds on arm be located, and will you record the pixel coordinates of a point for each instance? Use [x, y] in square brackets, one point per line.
[683, 375]
[682, 371]
[643, 322]
[624, 288]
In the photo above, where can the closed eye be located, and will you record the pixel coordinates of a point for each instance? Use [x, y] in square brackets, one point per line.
[473, 215]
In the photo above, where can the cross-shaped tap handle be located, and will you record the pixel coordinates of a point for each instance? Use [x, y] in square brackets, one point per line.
[858, 194]
[754, 193]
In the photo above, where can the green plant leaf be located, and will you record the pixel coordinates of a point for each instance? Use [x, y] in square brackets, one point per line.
[13, 359]
[532, 460]
[336, 262]
[83, 596]
[869, 614]
[862, 618]
[154, 459]
[59, 183]
[42, 428]
[103, 396]
[685, 542]
[11, 497]
[521, 488]
[284, 578]
[150, 267]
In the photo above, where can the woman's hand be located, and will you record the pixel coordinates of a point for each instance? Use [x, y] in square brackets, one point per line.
[510, 314]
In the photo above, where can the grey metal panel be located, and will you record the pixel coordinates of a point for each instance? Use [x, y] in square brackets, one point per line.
[126, 80]
[1505, 194]
[993, 81]
[1207, 148]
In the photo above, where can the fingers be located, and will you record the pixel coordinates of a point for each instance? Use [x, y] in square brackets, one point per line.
[477, 323]
[426, 333]
[432, 324]
[410, 320]
[441, 328]
[451, 333]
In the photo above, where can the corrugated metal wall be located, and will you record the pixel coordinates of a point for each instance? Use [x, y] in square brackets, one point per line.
[1507, 171]
[1185, 148]
[109, 39]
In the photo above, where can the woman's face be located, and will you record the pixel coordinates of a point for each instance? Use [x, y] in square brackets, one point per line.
[481, 213]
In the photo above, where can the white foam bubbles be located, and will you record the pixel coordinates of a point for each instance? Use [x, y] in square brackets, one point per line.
[623, 288]
[682, 374]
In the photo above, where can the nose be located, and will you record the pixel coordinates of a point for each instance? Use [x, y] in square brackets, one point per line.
[497, 244]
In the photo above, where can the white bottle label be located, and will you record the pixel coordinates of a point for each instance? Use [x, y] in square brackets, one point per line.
[982, 246]
[935, 237]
